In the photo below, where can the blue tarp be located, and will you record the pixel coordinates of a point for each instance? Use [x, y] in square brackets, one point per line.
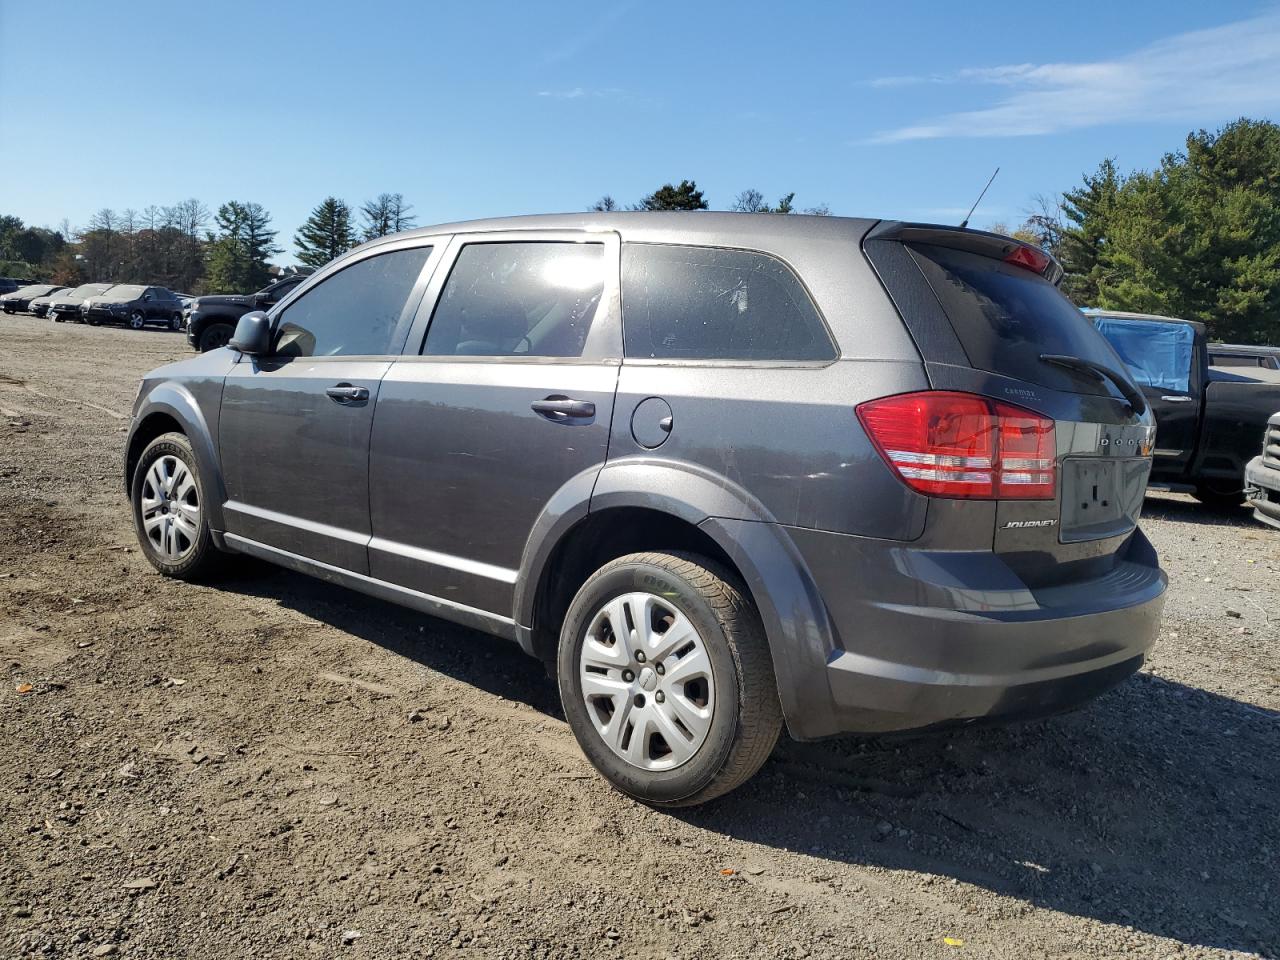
[1158, 354]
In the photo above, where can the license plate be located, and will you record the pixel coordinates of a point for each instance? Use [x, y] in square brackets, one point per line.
[1101, 497]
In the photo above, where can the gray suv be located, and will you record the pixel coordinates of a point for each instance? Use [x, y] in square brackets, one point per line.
[720, 472]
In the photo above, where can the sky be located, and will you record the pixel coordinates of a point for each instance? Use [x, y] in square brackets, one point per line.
[476, 109]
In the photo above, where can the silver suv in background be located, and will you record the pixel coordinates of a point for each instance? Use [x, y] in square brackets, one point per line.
[722, 472]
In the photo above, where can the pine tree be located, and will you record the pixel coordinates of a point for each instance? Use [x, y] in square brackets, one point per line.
[1088, 210]
[326, 234]
[685, 196]
[238, 256]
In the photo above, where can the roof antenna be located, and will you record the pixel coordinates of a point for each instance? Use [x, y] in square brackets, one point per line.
[965, 222]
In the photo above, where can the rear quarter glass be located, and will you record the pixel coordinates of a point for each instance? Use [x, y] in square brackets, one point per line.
[1006, 317]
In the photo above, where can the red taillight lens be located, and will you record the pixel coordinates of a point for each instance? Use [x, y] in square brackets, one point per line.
[1029, 257]
[962, 445]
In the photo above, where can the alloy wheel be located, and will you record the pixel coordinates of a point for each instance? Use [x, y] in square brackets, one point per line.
[647, 681]
[137, 320]
[170, 507]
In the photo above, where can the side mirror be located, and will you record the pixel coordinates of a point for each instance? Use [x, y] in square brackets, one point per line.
[253, 335]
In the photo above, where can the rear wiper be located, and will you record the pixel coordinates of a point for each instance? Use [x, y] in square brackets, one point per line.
[1100, 372]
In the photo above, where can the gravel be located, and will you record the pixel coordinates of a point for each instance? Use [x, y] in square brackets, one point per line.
[270, 766]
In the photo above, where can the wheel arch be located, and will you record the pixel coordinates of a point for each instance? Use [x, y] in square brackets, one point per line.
[170, 407]
[655, 505]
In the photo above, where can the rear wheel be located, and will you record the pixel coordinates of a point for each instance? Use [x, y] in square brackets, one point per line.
[169, 513]
[666, 679]
[214, 336]
[1219, 494]
[175, 322]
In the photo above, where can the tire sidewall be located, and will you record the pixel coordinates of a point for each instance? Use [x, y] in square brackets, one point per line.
[207, 344]
[660, 787]
[170, 444]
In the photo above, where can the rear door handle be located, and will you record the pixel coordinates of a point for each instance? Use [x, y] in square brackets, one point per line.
[346, 393]
[560, 409]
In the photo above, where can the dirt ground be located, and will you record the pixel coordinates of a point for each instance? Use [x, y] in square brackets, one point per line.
[270, 767]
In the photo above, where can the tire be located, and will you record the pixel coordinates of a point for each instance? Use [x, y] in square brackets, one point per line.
[137, 320]
[214, 336]
[190, 554]
[57, 318]
[175, 323]
[1219, 494]
[728, 676]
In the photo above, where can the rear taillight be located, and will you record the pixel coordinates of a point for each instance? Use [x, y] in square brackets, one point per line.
[962, 445]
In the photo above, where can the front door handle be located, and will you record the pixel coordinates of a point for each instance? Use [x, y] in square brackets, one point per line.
[562, 409]
[345, 393]
[1173, 399]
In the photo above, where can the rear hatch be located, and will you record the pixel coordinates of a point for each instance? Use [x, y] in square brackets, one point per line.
[989, 321]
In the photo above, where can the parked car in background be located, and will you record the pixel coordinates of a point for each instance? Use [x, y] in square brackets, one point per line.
[10, 284]
[1208, 418]
[1242, 355]
[20, 300]
[39, 307]
[720, 470]
[66, 305]
[212, 320]
[1262, 476]
[135, 305]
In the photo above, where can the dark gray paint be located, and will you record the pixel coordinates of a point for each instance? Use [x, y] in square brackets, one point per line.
[884, 609]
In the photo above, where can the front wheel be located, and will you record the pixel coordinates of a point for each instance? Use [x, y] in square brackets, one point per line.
[169, 514]
[666, 679]
[214, 336]
[137, 320]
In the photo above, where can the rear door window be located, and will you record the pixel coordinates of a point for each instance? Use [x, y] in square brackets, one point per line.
[514, 299]
[709, 303]
[1006, 317]
[1157, 354]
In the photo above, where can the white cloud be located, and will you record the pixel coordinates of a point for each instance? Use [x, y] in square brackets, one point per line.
[1198, 77]
[576, 93]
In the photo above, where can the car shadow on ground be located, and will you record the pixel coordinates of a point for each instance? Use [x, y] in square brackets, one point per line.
[1160, 505]
[1156, 807]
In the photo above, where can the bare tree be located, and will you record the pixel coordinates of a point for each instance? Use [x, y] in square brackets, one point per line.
[751, 201]
[604, 205]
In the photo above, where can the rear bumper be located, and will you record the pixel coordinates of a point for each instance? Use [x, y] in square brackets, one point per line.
[934, 638]
[1262, 489]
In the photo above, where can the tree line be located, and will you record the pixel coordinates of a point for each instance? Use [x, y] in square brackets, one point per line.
[188, 248]
[1197, 237]
[685, 195]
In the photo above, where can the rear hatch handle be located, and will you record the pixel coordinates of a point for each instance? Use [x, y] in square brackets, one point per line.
[1100, 372]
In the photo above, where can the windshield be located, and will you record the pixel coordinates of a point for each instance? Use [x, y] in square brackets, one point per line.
[1157, 354]
[1006, 317]
[88, 290]
[126, 291]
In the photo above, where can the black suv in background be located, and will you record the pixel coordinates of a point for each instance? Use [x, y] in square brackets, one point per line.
[66, 305]
[135, 305]
[212, 320]
[10, 284]
[20, 300]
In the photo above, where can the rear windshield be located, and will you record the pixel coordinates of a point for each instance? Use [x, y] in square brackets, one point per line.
[1157, 354]
[1006, 317]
